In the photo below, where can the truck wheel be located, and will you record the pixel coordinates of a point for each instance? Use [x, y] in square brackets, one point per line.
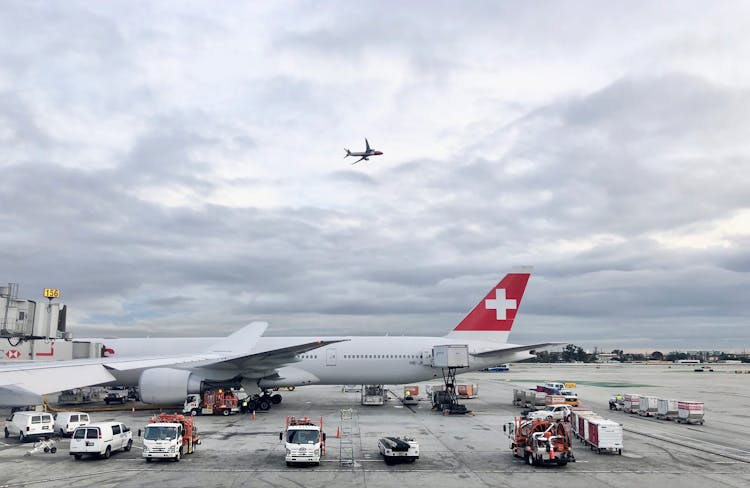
[288, 464]
[21, 437]
[194, 412]
[148, 460]
[177, 456]
[226, 412]
[264, 404]
[276, 399]
[290, 388]
[62, 432]
[129, 446]
[53, 449]
[107, 452]
[7, 434]
[77, 457]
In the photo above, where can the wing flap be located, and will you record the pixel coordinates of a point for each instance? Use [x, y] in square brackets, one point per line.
[531, 348]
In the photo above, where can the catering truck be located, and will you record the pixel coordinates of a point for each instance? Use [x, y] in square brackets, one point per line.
[305, 441]
[169, 437]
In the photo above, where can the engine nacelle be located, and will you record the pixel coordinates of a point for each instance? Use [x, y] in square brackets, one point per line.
[167, 385]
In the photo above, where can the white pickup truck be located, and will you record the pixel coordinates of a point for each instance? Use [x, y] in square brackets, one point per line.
[551, 412]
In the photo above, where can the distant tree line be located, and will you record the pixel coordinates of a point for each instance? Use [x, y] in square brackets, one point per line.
[572, 353]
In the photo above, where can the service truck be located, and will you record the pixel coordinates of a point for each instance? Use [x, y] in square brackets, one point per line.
[218, 402]
[305, 441]
[540, 442]
[169, 437]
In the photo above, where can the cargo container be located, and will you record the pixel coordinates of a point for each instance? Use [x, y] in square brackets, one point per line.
[583, 424]
[647, 406]
[690, 412]
[576, 415]
[467, 391]
[554, 400]
[519, 397]
[631, 403]
[666, 409]
[604, 435]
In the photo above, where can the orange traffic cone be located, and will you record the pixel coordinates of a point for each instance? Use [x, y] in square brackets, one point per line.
[253, 414]
[338, 432]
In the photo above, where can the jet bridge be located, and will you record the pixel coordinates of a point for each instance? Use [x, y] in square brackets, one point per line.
[449, 358]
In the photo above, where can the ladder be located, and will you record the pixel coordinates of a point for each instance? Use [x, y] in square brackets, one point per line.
[346, 443]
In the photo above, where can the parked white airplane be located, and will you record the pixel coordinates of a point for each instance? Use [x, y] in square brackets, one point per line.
[167, 369]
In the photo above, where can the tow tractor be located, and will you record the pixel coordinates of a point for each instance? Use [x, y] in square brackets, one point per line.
[398, 449]
[213, 403]
[540, 442]
[305, 440]
[169, 437]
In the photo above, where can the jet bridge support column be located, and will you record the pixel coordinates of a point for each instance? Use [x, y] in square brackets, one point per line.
[449, 358]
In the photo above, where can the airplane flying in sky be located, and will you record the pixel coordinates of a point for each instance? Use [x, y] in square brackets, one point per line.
[363, 154]
[167, 369]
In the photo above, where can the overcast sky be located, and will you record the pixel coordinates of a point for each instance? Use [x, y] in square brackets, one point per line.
[176, 167]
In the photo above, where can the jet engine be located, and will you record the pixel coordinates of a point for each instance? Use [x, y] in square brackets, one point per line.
[167, 385]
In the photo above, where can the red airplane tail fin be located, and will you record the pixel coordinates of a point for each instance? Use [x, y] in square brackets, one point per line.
[492, 318]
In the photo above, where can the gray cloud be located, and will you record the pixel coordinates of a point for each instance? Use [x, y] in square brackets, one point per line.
[186, 176]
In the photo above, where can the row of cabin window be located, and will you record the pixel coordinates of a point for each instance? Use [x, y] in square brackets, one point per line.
[365, 356]
[380, 356]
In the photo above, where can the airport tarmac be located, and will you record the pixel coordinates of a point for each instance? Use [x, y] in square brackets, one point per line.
[459, 450]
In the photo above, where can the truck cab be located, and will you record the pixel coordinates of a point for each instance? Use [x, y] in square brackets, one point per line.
[305, 441]
[169, 437]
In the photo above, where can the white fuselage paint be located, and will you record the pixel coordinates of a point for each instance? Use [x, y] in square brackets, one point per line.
[356, 360]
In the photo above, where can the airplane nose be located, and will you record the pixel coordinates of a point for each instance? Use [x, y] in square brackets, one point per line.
[378, 153]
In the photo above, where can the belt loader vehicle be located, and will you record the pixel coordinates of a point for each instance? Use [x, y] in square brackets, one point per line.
[169, 437]
[540, 442]
[398, 449]
[305, 441]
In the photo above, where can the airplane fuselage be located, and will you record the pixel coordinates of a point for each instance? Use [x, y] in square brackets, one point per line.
[356, 360]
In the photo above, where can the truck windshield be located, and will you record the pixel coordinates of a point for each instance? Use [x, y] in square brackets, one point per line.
[302, 437]
[160, 433]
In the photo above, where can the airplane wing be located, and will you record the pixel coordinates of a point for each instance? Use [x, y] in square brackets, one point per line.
[508, 351]
[21, 382]
[360, 159]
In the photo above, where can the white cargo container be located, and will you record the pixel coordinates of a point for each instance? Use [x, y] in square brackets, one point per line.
[647, 406]
[519, 397]
[586, 420]
[576, 420]
[604, 435]
[631, 403]
[450, 356]
[690, 412]
[666, 409]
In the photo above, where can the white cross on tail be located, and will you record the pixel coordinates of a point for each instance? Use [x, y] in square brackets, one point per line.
[500, 304]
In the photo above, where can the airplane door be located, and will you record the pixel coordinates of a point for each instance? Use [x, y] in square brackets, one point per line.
[331, 357]
[427, 357]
